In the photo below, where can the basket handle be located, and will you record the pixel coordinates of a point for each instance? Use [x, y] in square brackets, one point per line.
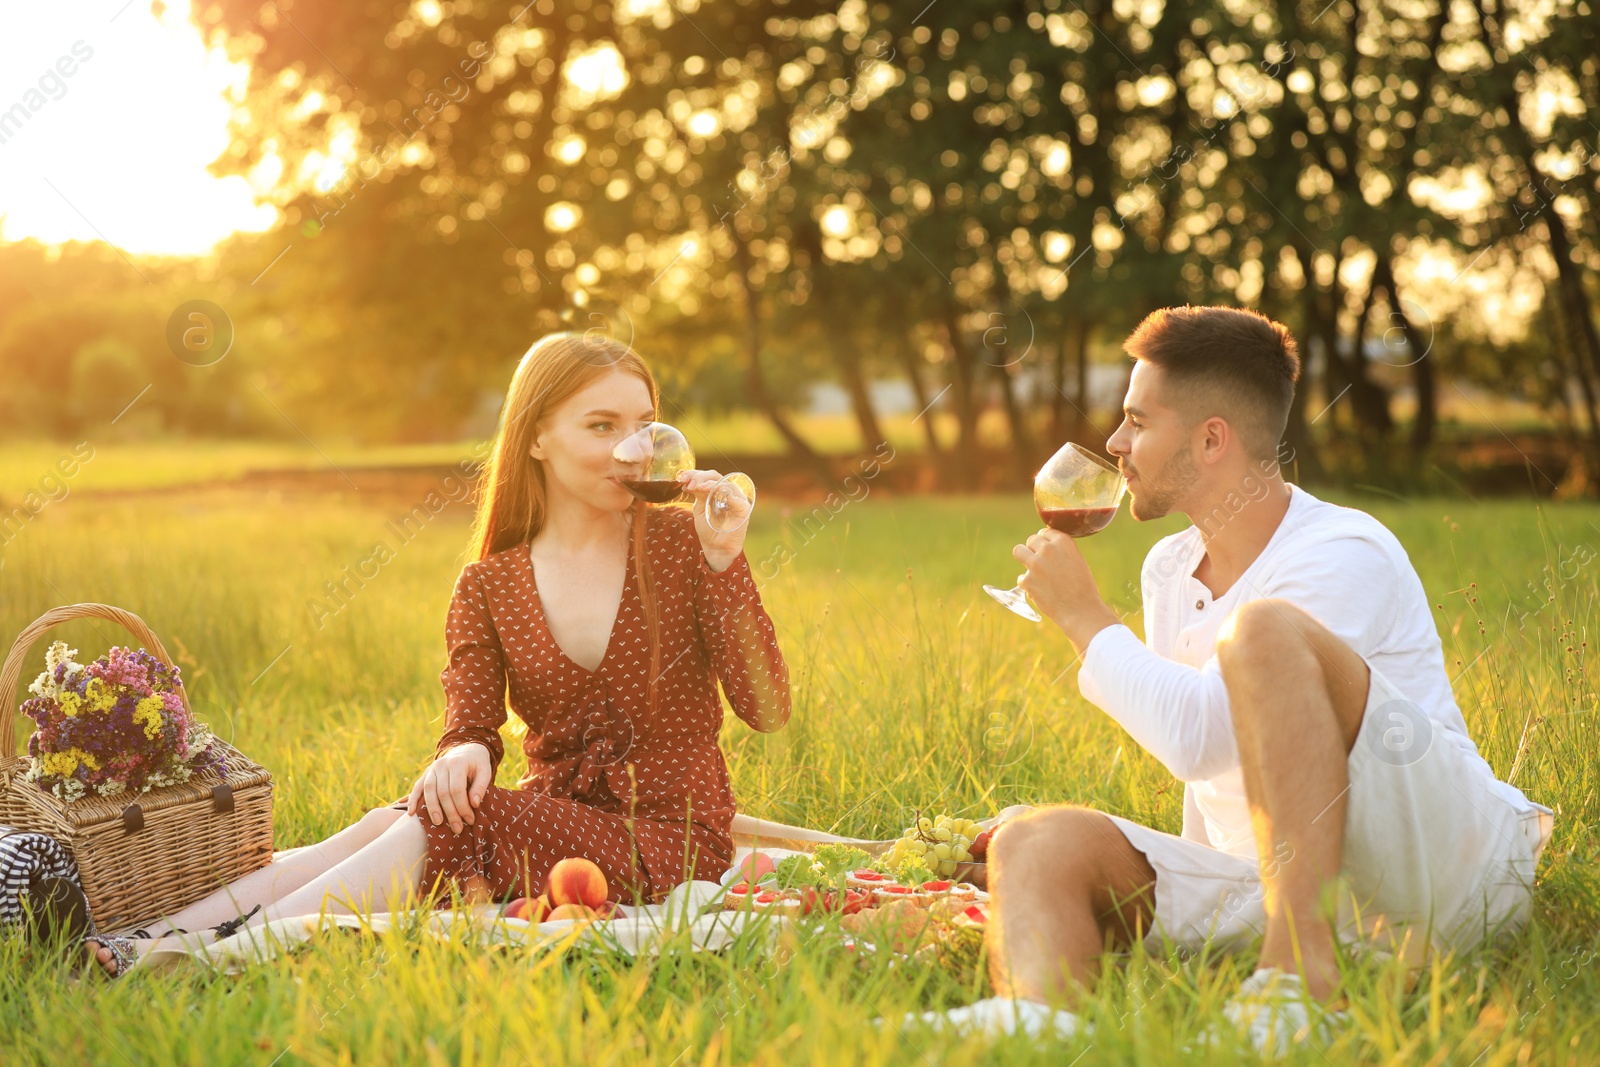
[11, 673]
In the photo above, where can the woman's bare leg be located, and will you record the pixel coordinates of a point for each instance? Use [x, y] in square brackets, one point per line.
[281, 877]
[381, 876]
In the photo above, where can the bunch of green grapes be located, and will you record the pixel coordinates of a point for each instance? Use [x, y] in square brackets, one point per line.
[937, 844]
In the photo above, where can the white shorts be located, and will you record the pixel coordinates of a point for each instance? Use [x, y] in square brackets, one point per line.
[1428, 847]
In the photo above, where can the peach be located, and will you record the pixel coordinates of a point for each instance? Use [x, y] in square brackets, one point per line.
[571, 911]
[755, 866]
[532, 909]
[577, 881]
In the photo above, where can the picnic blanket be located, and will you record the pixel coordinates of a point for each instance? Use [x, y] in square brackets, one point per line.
[641, 930]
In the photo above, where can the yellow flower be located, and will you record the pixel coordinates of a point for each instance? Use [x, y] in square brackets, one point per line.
[61, 764]
[148, 713]
[71, 703]
[101, 697]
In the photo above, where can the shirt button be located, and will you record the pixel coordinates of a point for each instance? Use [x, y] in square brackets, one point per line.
[1199, 605]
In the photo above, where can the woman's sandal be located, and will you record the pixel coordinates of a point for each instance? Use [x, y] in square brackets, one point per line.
[231, 926]
[122, 952]
[125, 956]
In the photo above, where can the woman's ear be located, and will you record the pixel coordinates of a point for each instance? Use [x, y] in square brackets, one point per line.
[536, 450]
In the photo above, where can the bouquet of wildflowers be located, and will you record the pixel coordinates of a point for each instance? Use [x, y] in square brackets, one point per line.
[115, 725]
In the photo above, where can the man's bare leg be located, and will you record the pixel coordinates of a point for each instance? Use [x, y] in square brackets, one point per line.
[1065, 882]
[1297, 695]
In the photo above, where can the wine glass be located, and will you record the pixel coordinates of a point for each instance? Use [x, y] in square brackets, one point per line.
[1076, 492]
[656, 453]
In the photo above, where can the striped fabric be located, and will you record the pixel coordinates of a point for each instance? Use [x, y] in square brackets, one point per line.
[26, 857]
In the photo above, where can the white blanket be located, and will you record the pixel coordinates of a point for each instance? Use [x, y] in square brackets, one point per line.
[639, 931]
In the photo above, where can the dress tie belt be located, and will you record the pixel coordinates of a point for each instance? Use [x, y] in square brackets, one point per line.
[585, 753]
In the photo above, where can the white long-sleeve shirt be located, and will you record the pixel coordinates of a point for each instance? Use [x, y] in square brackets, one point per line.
[1338, 564]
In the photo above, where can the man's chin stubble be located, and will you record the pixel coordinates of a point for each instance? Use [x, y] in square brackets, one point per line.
[1146, 510]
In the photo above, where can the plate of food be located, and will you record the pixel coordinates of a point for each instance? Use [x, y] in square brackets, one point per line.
[940, 847]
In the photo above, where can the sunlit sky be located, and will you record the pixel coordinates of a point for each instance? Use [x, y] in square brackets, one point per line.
[117, 149]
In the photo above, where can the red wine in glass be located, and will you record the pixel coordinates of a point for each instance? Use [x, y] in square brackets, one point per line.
[1075, 492]
[1077, 522]
[654, 490]
[655, 455]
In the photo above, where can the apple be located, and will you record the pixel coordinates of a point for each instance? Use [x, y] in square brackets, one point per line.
[577, 881]
[533, 909]
[577, 912]
[980, 846]
[609, 910]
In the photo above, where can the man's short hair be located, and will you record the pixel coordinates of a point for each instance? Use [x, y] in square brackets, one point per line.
[1231, 362]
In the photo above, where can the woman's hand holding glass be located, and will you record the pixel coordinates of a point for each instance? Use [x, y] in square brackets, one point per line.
[721, 514]
[658, 466]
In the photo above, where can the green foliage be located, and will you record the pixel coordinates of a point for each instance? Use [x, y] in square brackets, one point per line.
[768, 195]
[839, 860]
[795, 871]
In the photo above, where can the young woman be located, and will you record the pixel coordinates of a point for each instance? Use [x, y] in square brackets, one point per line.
[606, 623]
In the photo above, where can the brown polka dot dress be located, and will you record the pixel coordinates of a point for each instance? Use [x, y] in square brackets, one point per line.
[646, 797]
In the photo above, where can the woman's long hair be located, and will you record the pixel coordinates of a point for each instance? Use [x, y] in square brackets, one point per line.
[511, 489]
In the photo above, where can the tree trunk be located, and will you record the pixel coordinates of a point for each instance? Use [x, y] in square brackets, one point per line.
[919, 389]
[1017, 419]
[1576, 315]
[1423, 379]
[1080, 394]
[1058, 395]
[848, 360]
[756, 378]
[1579, 321]
[964, 388]
[1368, 402]
[1297, 453]
[1370, 397]
[1573, 366]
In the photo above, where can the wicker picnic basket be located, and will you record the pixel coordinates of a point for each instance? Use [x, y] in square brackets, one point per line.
[168, 848]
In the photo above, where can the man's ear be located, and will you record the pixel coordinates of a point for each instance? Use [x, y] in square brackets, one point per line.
[1217, 436]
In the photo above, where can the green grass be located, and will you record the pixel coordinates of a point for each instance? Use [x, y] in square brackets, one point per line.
[26, 466]
[911, 689]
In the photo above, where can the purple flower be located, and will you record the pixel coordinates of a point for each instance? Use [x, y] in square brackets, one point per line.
[114, 738]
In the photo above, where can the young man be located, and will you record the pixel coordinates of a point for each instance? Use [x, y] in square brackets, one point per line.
[1292, 677]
